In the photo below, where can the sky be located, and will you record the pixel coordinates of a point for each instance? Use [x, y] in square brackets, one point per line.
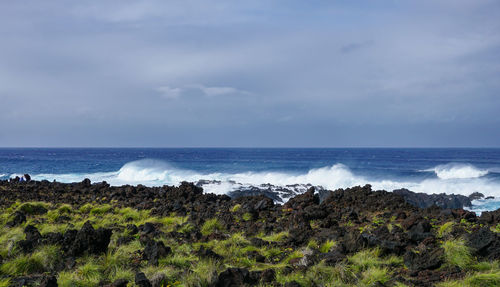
[229, 73]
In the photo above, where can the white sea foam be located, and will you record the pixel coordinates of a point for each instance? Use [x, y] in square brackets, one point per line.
[451, 179]
[2, 175]
[458, 171]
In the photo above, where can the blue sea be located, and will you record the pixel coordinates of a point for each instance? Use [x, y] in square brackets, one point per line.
[458, 171]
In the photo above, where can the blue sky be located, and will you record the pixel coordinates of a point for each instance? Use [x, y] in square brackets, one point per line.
[250, 73]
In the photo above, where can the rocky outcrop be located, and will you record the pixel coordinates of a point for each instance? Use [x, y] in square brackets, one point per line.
[442, 200]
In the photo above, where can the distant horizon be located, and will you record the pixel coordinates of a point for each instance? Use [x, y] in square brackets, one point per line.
[249, 147]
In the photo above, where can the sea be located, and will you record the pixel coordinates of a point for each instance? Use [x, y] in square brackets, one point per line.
[225, 170]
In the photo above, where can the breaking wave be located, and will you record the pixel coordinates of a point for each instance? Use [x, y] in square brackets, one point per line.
[458, 171]
[456, 179]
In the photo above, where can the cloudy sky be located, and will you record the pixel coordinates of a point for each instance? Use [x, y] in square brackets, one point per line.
[250, 73]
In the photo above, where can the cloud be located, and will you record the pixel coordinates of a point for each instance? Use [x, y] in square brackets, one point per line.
[221, 91]
[351, 47]
[120, 68]
[169, 92]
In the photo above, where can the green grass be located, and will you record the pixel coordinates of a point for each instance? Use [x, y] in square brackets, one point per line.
[31, 207]
[247, 216]
[365, 259]
[177, 260]
[8, 239]
[210, 226]
[313, 244]
[327, 246]
[318, 275]
[486, 266]
[135, 215]
[85, 209]
[51, 227]
[90, 273]
[122, 273]
[4, 282]
[457, 253]
[445, 229]
[275, 237]
[491, 279]
[374, 276]
[23, 265]
[236, 208]
[41, 260]
[101, 209]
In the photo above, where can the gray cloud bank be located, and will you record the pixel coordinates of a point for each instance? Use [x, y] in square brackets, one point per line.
[249, 73]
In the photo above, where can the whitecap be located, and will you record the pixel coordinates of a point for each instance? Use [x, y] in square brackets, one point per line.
[458, 171]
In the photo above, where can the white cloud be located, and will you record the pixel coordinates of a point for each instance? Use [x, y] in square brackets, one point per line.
[169, 92]
[221, 91]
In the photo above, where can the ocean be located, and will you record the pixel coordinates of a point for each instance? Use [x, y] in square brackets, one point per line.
[222, 170]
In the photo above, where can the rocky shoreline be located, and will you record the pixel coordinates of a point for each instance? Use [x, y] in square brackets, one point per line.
[85, 234]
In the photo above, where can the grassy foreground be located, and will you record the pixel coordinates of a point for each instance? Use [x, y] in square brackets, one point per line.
[198, 252]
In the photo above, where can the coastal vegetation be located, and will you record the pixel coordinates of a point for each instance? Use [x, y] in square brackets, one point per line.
[182, 237]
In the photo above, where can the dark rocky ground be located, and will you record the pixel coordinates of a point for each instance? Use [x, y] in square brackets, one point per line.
[85, 234]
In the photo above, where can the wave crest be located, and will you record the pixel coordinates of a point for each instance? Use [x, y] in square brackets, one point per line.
[144, 170]
[458, 171]
[457, 179]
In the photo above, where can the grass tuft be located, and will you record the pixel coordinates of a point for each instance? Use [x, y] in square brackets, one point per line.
[275, 237]
[33, 207]
[8, 239]
[365, 259]
[491, 279]
[327, 246]
[445, 229]
[457, 253]
[210, 226]
[101, 209]
[375, 276]
[247, 216]
[236, 208]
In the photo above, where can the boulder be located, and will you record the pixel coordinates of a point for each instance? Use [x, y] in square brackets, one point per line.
[154, 250]
[90, 241]
[120, 283]
[236, 277]
[141, 280]
[424, 258]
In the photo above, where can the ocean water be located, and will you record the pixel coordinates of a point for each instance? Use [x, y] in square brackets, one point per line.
[458, 171]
